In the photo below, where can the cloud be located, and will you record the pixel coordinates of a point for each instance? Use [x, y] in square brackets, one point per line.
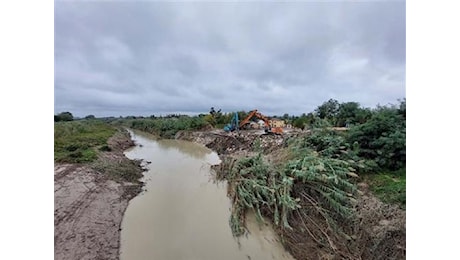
[143, 58]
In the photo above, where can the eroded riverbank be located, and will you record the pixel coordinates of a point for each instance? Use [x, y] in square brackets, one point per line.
[90, 200]
[377, 230]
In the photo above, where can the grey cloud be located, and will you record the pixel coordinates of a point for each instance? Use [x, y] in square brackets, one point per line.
[129, 58]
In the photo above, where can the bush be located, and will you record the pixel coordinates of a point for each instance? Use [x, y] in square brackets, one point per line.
[278, 189]
[64, 116]
[382, 138]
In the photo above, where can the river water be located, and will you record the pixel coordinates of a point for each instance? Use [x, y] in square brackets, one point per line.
[183, 213]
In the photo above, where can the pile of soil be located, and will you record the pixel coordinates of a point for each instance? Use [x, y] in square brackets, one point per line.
[89, 203]
[235, 142]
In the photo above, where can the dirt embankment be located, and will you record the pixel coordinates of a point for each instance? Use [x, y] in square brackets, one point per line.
[236, 144]
[90, 200]
[377, 232]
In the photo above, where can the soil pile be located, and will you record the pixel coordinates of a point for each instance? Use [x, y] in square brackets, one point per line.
[235, 143]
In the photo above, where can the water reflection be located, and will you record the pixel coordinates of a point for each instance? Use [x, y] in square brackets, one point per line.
[189, 148]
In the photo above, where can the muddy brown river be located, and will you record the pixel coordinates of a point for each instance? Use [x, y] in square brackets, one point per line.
[183, 213]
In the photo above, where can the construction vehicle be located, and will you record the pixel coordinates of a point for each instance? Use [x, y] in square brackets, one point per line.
[268, 129]
[234, 125]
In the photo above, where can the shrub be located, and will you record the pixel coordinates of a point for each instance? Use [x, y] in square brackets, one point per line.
[382, 138]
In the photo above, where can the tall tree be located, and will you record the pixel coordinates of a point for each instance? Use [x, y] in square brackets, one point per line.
[350, 113]
[328, 110]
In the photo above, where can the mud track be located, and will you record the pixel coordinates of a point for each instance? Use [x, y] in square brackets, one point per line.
[89, 207]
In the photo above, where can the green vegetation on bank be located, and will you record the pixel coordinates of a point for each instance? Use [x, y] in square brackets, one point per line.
[307, 188]
[279, 191]
[78, 141]
[375, 141]
[165, 127]
[390, 187]
[312, 182]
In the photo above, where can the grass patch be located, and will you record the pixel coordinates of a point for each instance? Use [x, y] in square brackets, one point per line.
[77, 141]
[390, 187]
[124, 170]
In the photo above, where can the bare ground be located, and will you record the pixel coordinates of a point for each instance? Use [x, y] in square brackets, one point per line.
[89, 203]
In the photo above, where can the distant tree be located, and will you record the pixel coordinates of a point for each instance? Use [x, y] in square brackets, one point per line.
[64, 116]
[210, 120]
[300, 122]
[242, 115]
[328, 110]
[350, 113]
[286, 116]
[90, 117]
[402, 107]
[217, 115]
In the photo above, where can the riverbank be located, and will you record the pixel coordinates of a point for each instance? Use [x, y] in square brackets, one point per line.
[90, 200]
[377, 230]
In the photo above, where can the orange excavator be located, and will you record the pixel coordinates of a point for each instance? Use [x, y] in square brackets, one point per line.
[268, 128]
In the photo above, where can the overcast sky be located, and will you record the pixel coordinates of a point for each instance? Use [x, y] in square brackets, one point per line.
[143, 58]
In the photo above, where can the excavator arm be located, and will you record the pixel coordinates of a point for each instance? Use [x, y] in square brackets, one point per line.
[248, 118]
[255, 113]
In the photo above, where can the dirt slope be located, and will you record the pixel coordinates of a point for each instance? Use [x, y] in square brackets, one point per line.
[89, 206]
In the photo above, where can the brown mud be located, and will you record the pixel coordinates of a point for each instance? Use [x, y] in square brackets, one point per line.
[377, 232]
[90, 200]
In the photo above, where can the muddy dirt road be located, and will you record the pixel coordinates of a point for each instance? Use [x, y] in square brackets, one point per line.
[89, 206]
[88, 212]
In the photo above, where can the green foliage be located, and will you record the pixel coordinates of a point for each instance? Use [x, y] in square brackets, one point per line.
[304, 120]
[126, 170]
[276, 190]
[350, 113]
[328, 110]
[328, 143]
[382, 138]
[300, 122]
[333, 144]
[210, 120]
[76, 141]
[389, 187]
[324, 180]
[320, 123]
[64, 116]
[259, 186]
[164, 127]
